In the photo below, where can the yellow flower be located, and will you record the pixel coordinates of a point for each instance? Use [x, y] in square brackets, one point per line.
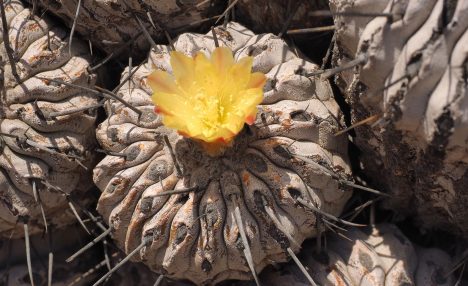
[208, 99]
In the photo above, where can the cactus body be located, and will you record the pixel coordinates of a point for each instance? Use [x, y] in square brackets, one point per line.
[381, 255]
[43, 158]
[111, 24]
[288, 153]
[415, 80]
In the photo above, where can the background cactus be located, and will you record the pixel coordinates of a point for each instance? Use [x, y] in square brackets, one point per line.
[47, 152]
[411, 79]
[379, 255]
[287, 160]
[109, 25]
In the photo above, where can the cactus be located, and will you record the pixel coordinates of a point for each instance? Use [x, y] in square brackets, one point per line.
[190, 215]
[379, 255]
[110, 25]
[47, 151]
[411, 77]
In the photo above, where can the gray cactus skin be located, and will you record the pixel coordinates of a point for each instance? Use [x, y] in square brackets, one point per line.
[109, 25]
[196, 235]
[43, 159]
[414, 78]
[377, 255]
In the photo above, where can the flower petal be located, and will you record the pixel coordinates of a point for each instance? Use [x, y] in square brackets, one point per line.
[240, 72]
[183, 68]
[257, 80]
[205, 74]
[161, 81]
[222, 59]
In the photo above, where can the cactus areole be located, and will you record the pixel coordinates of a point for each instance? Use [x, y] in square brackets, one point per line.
[193, 191]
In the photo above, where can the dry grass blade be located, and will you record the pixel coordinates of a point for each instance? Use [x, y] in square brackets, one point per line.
[460, 277]
[89, 245]
[301, 267]
[327, 13]
[215, 37]
[245, 242]
[370, 190]
[228, 9]
[278, 224]
[291, 11]
[72, 31]
[72, 207]
[6, 43]
[311, 30]
[327, 215]
[195, 23]
[159, 280]
[369, 120]
[359, 60]
[357, 210]
[119, 99]
[50, 264]
[330, 226]
[130, 75]
[461, 262]
[387, 86]
[118, 265]
[105, 246]
[100, 92]
[89, 272]
[37, 198]
[170, 40]
[173, 156]
[115, 53]
[28, 253]
[333, 175]
[329, 52]
[145, 31]
[94, 219]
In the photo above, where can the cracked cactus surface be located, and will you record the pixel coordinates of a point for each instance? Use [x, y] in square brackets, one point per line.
[212, 217]
[111, 24]
[412, 78]
[44, 156]
[379, 255]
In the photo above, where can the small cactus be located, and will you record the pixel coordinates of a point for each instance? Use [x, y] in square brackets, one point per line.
[191, 215]
[379, 255]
